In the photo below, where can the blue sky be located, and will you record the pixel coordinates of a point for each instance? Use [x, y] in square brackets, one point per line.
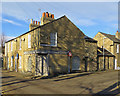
[89, 17]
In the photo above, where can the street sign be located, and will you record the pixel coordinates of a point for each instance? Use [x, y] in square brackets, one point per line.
[69, 54]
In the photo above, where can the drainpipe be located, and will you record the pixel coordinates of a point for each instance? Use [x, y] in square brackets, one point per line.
[103, 54]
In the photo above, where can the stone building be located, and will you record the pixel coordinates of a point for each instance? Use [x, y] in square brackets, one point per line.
[108, 50]
[45, 48]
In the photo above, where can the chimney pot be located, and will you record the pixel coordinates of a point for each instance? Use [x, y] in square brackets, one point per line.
[50, 15]
[53, 16]
[36, 22]
[33, 22]
[47, 14]
[43, 15]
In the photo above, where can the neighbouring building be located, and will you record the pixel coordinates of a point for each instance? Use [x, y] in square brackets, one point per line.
[108, 50]
[45, 48]
[2, 50]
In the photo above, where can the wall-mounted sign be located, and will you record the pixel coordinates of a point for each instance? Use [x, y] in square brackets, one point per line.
[69, 54]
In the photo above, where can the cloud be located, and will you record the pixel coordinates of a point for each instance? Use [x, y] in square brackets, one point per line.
[60, 0]
[28, 10]
[9, 37]
[12, 22]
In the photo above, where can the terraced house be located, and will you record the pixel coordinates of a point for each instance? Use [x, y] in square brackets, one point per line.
[110, 45]
[52, 47]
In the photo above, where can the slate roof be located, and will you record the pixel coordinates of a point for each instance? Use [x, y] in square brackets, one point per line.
[111, 37]
[45, 25]
[88, 39]
[106, 52]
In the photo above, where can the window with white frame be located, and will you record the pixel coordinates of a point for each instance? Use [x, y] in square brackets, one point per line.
[6, 49]
[20, 65]
[53, 39]
[11, 46]
[20, 43]
[29, 40]
[8, 46]
[11, 61]
[117, 48]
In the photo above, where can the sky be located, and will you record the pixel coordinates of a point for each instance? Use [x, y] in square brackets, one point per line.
[89, 17]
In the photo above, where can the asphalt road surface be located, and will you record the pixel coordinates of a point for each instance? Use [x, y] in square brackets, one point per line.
[75, 83]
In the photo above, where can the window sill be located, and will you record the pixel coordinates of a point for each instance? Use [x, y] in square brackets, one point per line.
[48, 45]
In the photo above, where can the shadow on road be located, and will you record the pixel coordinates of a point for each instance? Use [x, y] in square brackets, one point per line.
[7, 77]
[16, 82]
[79, 75]
[9, 81]
[110, 90]
[14, 89]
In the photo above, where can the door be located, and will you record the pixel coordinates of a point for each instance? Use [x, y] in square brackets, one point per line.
[16, 63]
[115, 64]
[42, 65]
[86, 63]
[29, 67]
[76, 63]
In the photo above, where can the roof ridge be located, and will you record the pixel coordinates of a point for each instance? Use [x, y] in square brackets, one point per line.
[35, 28]
[111, 37]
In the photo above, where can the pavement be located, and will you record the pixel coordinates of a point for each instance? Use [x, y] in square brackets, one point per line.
[102, 82]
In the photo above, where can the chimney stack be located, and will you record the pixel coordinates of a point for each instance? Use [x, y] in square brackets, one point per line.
[33, 24]
[46, 17]
[118, 35]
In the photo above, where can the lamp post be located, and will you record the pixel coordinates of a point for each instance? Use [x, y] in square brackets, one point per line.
[103, 54]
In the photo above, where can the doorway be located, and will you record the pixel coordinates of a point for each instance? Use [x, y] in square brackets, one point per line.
[42, 65]
[76, 63]
[16, 63]
[29, 64]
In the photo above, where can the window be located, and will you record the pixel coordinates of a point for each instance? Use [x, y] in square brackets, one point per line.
[8, 46]
[20, 65]
[117, 48]
[11, 46]
[29, 40]
[20, 43]
[6, 49]
[11, 61]
[53, 39]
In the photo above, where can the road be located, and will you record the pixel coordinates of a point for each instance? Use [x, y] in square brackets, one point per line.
[75, 83]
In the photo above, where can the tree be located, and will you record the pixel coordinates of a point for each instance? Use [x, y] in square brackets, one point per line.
[2, 42]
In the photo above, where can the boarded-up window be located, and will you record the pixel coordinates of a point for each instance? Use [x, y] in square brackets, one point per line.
[20, 65]
[29, 40]
[117, 48]
[76, 63]
[53, 39]
[20, 43]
